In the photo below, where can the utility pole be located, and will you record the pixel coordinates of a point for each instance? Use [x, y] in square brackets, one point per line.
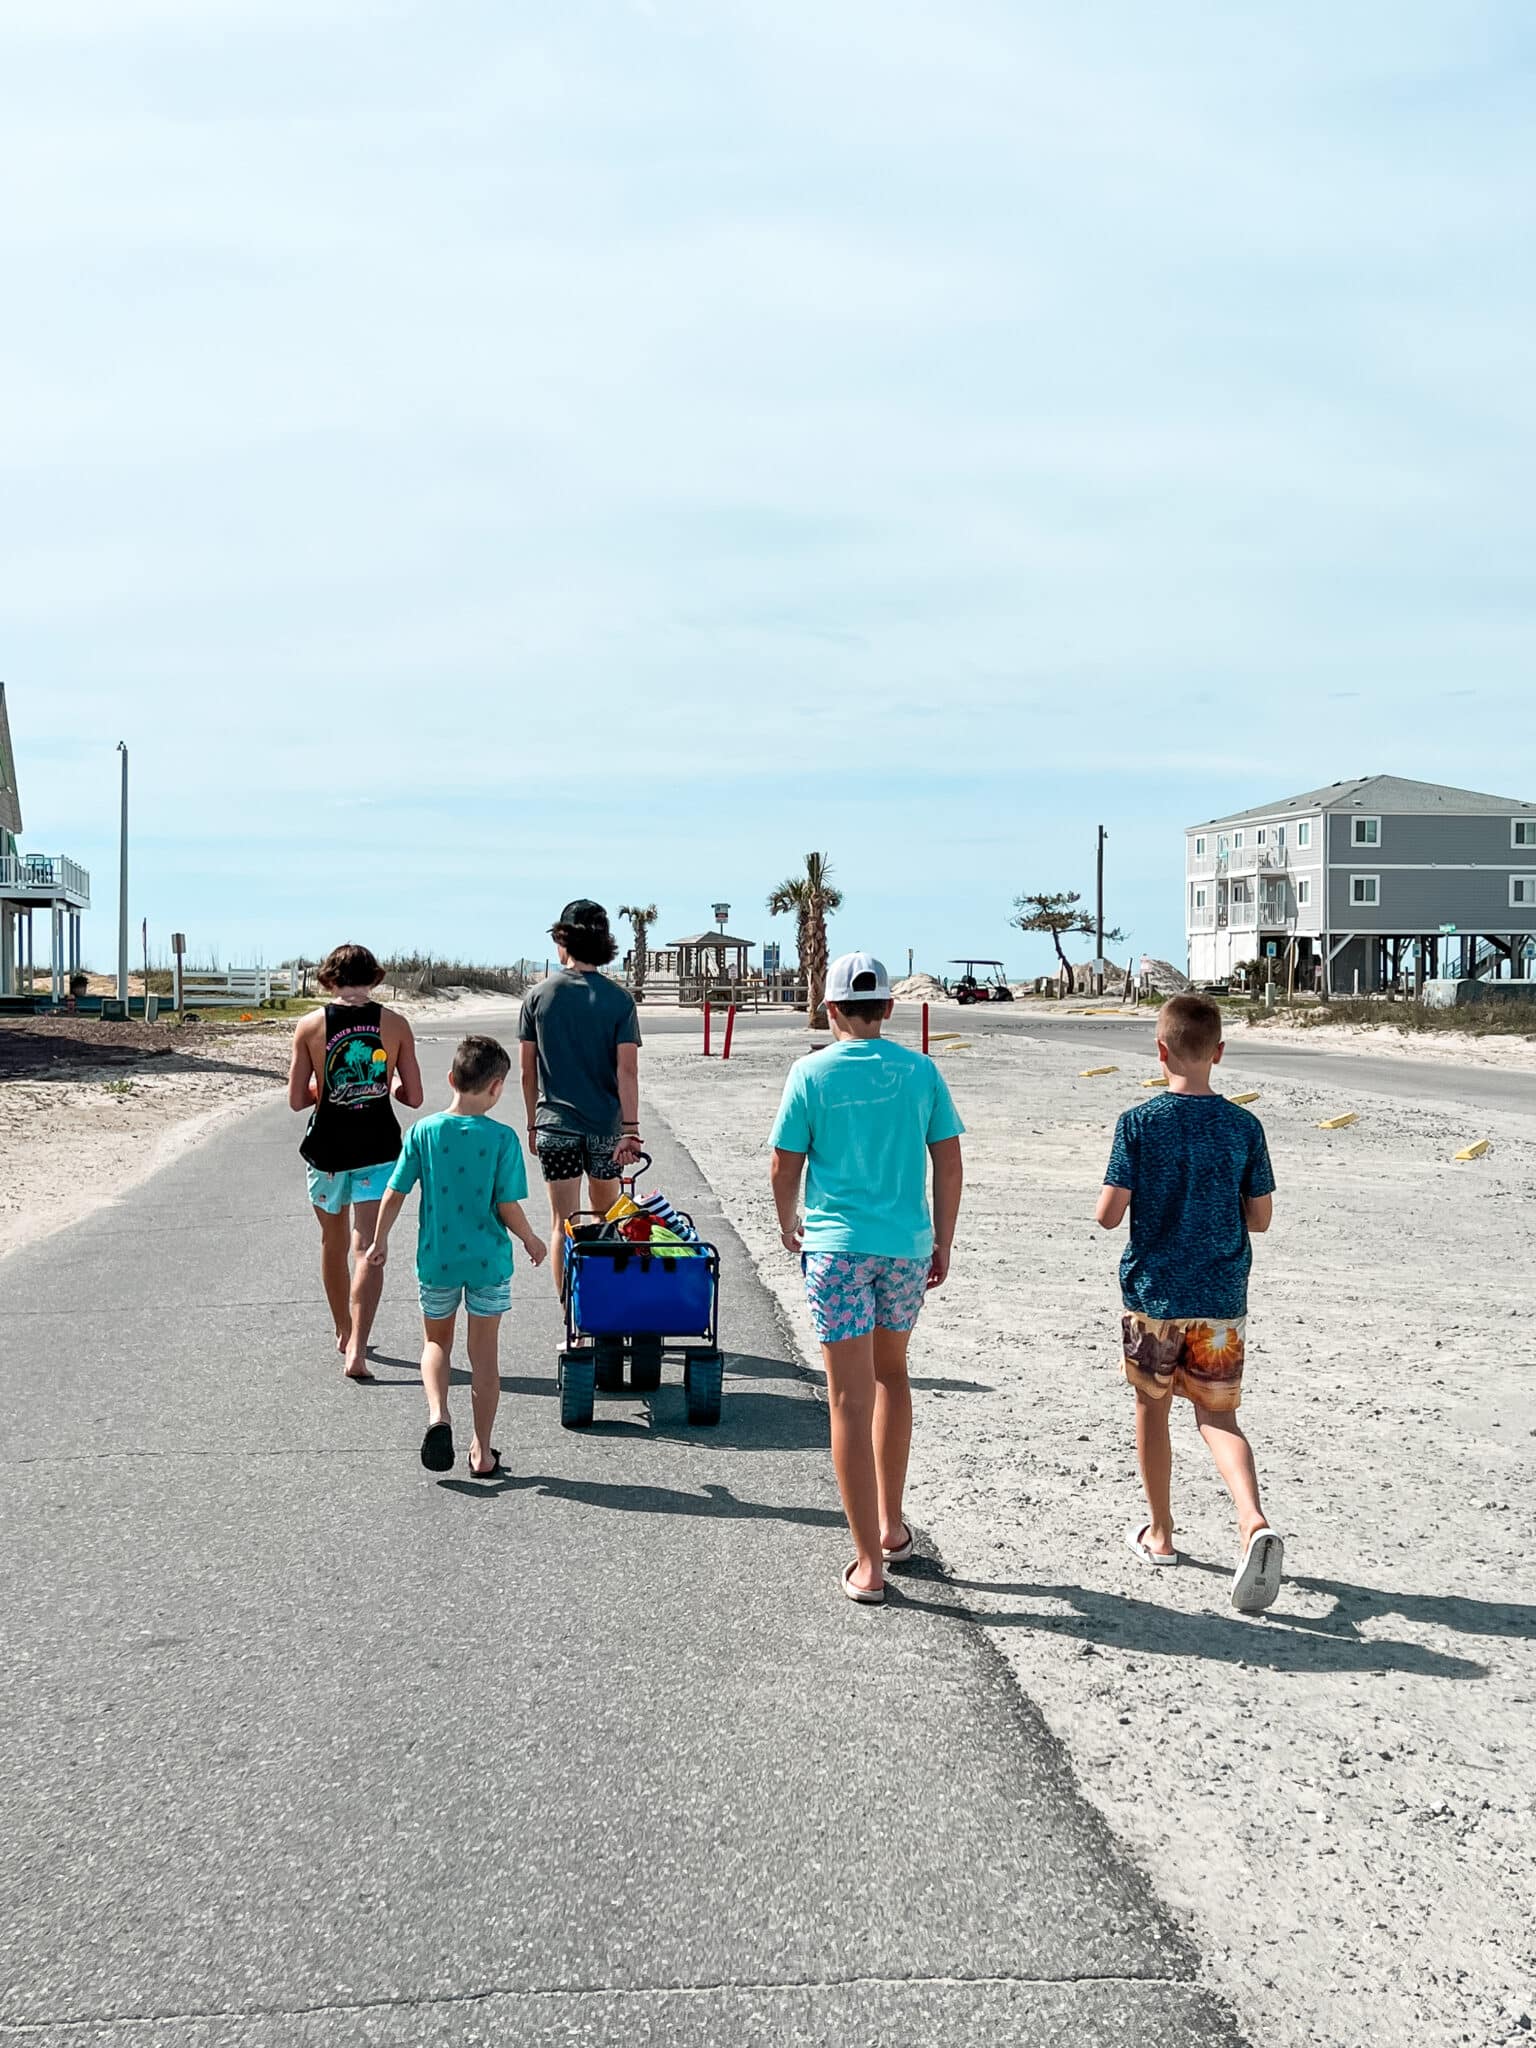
[1098, 922]
[122, 891]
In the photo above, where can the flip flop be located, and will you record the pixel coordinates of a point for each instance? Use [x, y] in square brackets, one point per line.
[437, 1447]
[1256, 1581]
[491, 1470]
[1136, 1544]
[362, 1379]
[861, 1596]
[902, 1550]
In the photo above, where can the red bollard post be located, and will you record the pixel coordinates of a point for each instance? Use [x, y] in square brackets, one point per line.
[730, 1026]
[706, 1031]
[925, 1027]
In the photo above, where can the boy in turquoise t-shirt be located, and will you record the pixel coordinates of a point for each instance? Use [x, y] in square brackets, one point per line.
[473, 1182]
[860, 1121]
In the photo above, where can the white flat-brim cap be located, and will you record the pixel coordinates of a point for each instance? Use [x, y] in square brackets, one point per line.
[858, 978]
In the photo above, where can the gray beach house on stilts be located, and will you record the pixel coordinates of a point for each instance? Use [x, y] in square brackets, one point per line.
[1365, 882]
[33, 882]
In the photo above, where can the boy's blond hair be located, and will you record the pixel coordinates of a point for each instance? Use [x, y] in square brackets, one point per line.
[1190, 1027]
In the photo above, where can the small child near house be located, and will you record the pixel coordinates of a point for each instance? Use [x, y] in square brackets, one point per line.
[473, 1183]
[1193, 1170]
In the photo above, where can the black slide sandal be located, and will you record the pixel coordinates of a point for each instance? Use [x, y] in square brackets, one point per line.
[491, 1470]
[437, 1447]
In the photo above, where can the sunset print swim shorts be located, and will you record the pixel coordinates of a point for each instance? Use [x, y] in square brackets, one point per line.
[1200, 1357]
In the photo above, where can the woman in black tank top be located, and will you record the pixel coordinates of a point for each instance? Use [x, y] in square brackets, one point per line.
[354, 1123]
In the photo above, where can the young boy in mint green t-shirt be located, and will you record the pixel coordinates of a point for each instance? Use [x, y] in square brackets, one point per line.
[861, 1121]
[473, 1182]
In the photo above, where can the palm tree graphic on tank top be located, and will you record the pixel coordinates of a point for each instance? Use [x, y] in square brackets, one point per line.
[356, 1070]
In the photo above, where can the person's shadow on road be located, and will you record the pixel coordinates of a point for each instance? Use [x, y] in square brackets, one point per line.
[1279, 1641]
[714, 1502]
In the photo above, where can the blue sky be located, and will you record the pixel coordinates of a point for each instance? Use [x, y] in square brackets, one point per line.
[478, 453]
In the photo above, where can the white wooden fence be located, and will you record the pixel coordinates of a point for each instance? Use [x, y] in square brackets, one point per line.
[238, 988]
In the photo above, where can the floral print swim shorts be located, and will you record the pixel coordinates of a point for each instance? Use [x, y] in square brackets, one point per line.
[1200, 1357]
[852, 1293]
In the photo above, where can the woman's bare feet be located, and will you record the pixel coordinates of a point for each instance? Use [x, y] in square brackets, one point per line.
[357, 1364]
[343, 1339]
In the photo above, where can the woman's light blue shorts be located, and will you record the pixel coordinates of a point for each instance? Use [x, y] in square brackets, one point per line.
[334, 1192]
[437, 1302]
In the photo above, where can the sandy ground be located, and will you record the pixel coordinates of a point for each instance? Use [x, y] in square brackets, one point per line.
[75, 1140]
[1466, 1048]
[1340, 1798]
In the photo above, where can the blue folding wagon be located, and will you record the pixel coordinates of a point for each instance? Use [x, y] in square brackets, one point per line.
[642, 1297]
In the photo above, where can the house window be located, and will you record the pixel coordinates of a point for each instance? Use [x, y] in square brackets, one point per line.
[1304, 832]
[1304, 891]
[1199, 899]
[1365, 890]
[1261, 837]
[1237, 840]
[1522, 832]
[1279, 835]
[1365, 832]
[1522, 892]
[1200, 847]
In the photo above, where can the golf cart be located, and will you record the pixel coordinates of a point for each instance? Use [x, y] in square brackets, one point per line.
[989, 987]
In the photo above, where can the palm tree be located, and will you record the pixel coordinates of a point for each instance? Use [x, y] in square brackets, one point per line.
[641, 917]
[811, 897]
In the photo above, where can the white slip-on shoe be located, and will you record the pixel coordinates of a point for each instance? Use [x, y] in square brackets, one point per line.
[1136, 1543]
[861, 1596]
[1256, 1581]
[902, 1550]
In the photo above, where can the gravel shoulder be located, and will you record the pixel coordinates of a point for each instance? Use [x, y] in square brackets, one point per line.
[1339, 1800]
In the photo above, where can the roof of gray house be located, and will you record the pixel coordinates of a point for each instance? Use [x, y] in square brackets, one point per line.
[10, 802]
[1386, 796]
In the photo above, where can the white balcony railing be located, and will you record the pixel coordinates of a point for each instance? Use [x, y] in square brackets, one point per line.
[45, 878]
[1253, 860]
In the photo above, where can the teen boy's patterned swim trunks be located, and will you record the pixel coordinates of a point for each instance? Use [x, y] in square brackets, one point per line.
[851, 1293]
[1200, 1357]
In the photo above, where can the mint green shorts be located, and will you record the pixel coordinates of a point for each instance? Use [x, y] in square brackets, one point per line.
[334, 1192]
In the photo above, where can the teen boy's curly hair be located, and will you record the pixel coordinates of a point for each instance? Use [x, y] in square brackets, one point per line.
[349, 967]
[592, 944]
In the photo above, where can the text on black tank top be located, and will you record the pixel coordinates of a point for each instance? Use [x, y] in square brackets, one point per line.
[354, 1122]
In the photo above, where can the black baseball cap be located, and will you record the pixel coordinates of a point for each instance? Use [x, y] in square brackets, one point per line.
[584, 913]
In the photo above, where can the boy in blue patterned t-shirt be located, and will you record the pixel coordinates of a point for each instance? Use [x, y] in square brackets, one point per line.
[473, 1184]
[1193, 1170]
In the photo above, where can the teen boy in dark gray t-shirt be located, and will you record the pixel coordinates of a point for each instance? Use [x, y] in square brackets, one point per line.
[581, 1072]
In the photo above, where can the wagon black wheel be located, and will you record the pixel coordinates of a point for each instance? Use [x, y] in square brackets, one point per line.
[575, 1389]
[608, 1364]
[702, 1379]
[645, 1364]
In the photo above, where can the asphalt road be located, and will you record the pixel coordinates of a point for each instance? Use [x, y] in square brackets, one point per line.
[302, 1745]
[1282, 1059]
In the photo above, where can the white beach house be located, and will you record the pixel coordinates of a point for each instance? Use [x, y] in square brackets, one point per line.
[33, 882]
